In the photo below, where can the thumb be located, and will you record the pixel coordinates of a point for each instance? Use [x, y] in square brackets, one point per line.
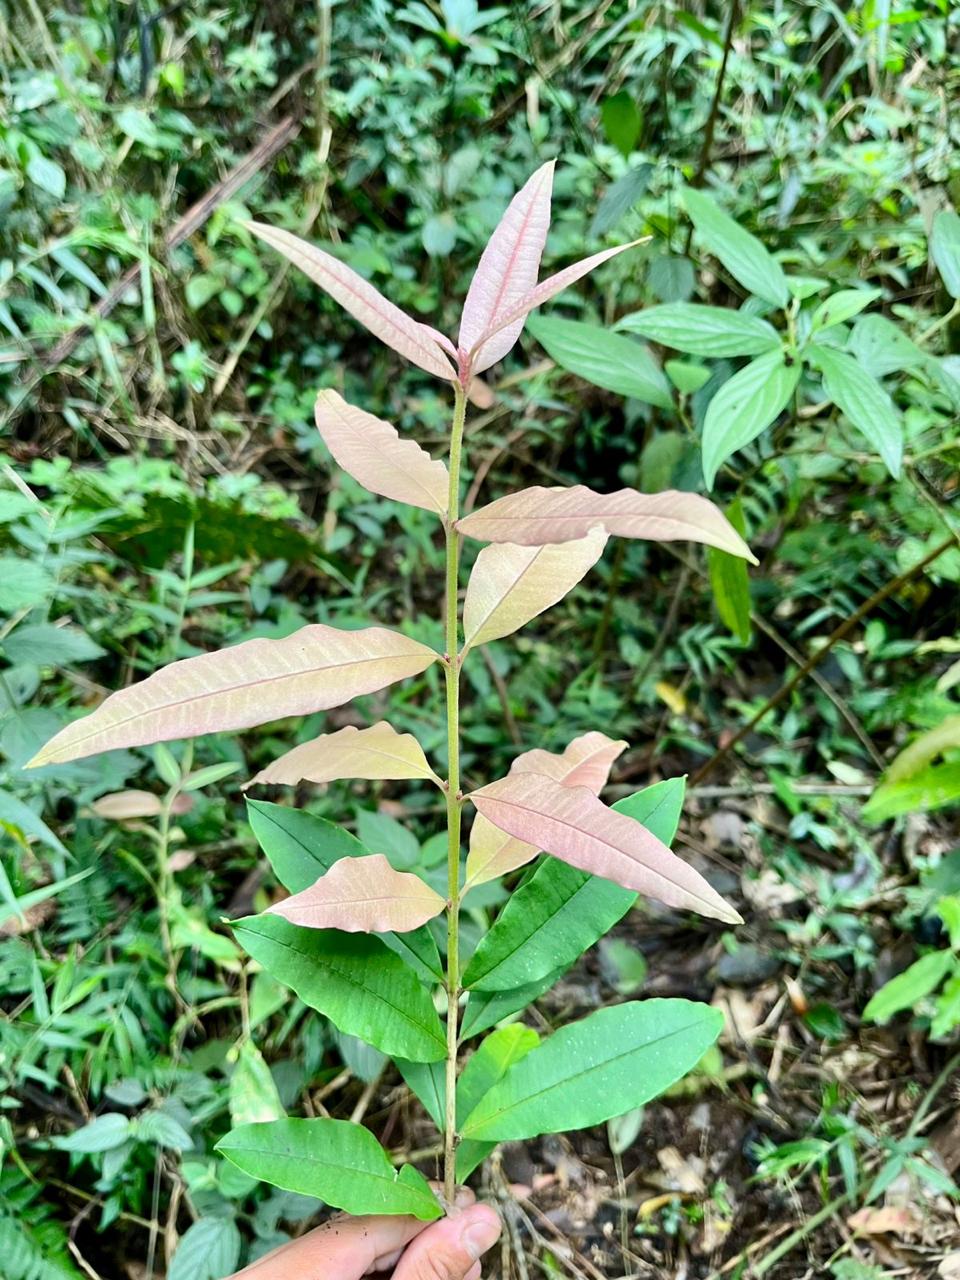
[450, 1250]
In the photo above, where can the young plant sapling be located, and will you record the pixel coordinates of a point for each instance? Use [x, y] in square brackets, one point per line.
[351, 939]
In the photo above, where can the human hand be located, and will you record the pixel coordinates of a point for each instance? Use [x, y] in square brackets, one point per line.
[348, 1248]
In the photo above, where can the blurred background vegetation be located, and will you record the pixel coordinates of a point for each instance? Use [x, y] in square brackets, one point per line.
[163, 491]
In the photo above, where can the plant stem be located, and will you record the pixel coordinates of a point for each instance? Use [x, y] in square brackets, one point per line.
[454, 797]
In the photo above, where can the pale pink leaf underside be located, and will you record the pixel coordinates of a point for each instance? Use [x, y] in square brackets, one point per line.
[372, 451]
[378, 752]
[572, 824]
[536, 516]
[537, 296]
[511, 584]
[124, 806]
[251, 683]
[362, 895]
[408, 337]
[585, 762]
[507, 270]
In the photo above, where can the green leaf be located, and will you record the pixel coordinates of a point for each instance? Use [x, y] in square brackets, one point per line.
[670, 278]
[138, 125]
[618, 198]
[77, 268]
[948, 1009]
[584, 1074]
[428, 1081]
[741, 253]
[606, 359]
[301, 848]
[48, 176]
[703, 331]
[210, 774]
[745, 406]
[931, 788]
[439, 235]
[863, 401]
[166, 765]
[879, 347]
[22, 584]
[418, 948]
[361, 986]
[730, 580]
[201, 288]
[842, 306]
[253, 1091]
[922, 750]
[903, 991]
[623, 965]
[15, 813]
[686, 376]
[487, 1008]
[386, 835]
[559, 911]
[103, 1133]
[549, 921]
[208, 1250]
[622, 121]
[14, 906]
[336, 1161]
[945, 249]
[43, 644]
[485, 1069]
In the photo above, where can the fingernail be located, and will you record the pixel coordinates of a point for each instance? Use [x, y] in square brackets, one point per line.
[480, 1235]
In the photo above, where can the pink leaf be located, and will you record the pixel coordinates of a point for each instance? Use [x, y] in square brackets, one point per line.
[533, 517]
[507, 270]
[251, 683]
[124, 806]
[408, 337]
[572, 824]
[511, 584]
[377, 752]
[585, 763]
[371, 451]
[534, 298]
[362, 895]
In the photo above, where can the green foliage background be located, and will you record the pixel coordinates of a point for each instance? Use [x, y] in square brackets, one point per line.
[164, 492]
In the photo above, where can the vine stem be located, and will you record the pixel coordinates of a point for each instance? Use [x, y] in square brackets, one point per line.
[454, 797]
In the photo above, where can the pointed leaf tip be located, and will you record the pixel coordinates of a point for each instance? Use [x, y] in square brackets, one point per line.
[378, 752]
[372, 451]
[573, 825]
[537, 296]
[508, 269]
[362, 895]
[510, 584]
[360, 299]
[539, 515]
[586, 762]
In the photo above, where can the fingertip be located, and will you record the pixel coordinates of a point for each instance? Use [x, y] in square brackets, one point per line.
[480, 1230]
[464, 1198]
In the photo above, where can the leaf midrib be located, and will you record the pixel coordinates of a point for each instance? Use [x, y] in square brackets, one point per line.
[310, 1159]
[585, 1072]
[345, 977]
